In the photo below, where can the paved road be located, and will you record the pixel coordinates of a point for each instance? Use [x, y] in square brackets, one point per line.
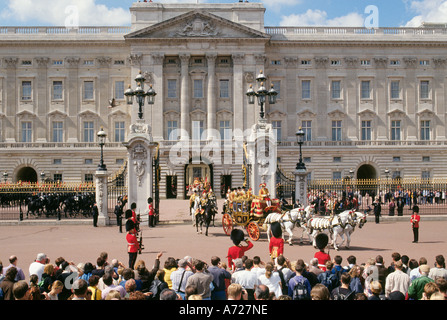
[82, 243]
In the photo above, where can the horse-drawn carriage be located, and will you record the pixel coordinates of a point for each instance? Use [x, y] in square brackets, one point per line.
[249, 214]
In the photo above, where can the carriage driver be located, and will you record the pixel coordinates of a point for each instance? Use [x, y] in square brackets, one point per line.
[264, 194]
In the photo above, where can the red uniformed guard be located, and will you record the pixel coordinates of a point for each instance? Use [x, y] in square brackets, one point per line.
[132, 247]
[276, 244]
[415, 219]
[237, 251]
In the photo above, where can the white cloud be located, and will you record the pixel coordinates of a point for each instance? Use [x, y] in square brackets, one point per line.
[320, 18]
[428, 11]
[50, 12]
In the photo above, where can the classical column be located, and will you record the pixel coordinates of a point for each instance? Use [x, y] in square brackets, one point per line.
[184, 97]
[238, 92]
[211, 96]
[73, 98]
[42, 97]
[103, 95]
[11, 97]
[156, 112]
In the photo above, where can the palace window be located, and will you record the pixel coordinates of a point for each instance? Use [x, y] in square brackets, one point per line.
[396, 130]
[336, 89]
[58, 131]
[172, 130]
[425, 89]
[225, 130]
[366, 89]
[306, 126]
[336, 130]
[27, 131]
[425, 130]
[27, 90]
[88, 131]
[88, 90]
[366, 130]
[198, 88]
[197, 130]
[58, 90]
[172, 88]
[119, 90]
[305, 89]
[120, 131]
[224, 88]
[277, 130]
[395, 89]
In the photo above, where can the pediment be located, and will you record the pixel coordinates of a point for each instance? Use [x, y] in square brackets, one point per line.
[197, 24]
[367, 112]
[306, 113]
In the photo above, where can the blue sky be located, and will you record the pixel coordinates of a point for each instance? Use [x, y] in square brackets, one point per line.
[387, 13]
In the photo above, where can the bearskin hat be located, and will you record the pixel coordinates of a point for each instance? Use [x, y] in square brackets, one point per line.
[321, 240]
[237, 235]
[276, 229]
[416, 209]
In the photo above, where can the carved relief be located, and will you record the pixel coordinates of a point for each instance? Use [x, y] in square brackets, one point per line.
[140, 128]
[440, 62]
[139, 152]
[321, 61]
[11, 62]
[72, 61]
[104, 61]
[197, 27]
[381, 62]
[135, 59]
[410, 62]
[249, 77]
[140, 169]
[42, 62]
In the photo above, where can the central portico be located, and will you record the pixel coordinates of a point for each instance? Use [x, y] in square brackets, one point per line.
[201, 62]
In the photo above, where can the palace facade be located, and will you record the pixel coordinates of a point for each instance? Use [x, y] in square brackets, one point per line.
[369, 100]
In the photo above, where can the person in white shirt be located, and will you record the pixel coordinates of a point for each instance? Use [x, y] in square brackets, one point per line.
[38, 266]
[247, 279]
[271, 279]
[397, 280]
[439, 270]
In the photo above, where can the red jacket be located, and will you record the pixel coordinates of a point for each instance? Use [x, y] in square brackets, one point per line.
[132, 243]
[276, 244]
[236, 252]
[415, 218]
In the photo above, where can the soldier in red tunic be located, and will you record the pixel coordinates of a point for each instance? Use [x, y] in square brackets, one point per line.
[237, 251]
[276, 244]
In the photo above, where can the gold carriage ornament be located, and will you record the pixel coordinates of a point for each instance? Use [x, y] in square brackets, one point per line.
[249, 213]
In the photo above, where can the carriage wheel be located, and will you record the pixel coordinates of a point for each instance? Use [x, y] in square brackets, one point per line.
[253, 231]
[227, 224]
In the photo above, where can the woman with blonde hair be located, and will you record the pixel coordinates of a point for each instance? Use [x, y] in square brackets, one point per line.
[56, 288]
[271, 279]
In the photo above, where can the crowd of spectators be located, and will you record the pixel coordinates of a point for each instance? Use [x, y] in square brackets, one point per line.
[187, 278]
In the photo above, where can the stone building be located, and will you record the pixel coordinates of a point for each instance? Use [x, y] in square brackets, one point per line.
[368, 99]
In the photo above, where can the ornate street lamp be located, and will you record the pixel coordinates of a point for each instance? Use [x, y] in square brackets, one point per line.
[5, 176]
[140, 94]
[300, 135]
[262, 94]
[102, 141]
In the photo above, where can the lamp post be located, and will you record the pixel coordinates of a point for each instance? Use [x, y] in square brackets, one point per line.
[102, 141]
[300, 136]
[301, 172]
[140, 94]
[262, 94]
[387, 174]
[5, 176]
[42, 176]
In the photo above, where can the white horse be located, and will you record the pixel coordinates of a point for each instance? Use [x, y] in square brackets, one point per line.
[289, 220]
[334, 225]
[358, 220]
